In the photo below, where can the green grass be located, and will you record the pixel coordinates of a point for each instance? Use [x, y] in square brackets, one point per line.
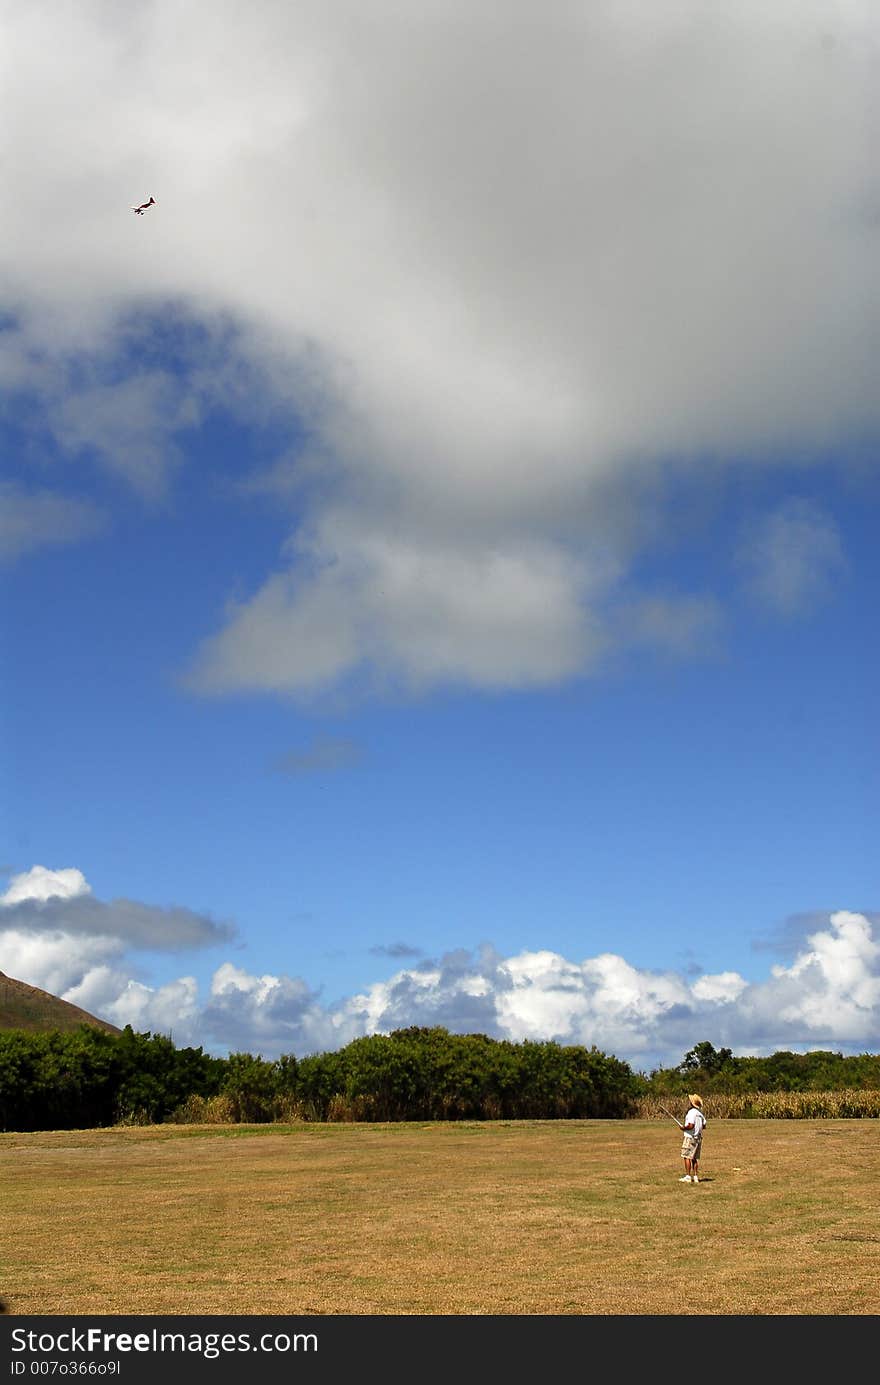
[512, 1217]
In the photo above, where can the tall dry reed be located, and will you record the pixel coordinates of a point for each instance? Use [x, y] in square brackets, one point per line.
[850, 1103]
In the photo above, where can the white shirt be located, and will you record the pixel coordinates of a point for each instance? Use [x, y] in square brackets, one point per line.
[694, 1121]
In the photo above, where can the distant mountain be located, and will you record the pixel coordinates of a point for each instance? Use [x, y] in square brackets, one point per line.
[29, 1008]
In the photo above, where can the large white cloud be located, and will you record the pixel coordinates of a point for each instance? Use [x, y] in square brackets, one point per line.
[829, 995]
[55, 934]
[503, 263]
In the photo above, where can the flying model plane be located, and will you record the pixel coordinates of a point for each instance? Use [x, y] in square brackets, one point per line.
[139, 211]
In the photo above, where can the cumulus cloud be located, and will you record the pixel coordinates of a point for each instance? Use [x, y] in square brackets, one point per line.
[832, 987]
[170, 1009]
[829, 995]
[39, 884]
[274, 1013]
[60, 963]
[55, 934]
[501, 267]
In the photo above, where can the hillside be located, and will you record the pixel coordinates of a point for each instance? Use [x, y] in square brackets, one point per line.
[29, 1008]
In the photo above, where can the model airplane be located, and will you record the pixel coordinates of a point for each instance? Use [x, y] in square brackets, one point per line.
[139, 211]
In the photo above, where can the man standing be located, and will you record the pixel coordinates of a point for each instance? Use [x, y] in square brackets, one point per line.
[694, 1124]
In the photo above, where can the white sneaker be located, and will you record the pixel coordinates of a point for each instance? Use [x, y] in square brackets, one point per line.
[695, 1179]
[686, 1179]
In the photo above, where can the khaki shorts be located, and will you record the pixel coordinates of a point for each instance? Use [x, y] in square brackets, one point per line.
[690, 1147]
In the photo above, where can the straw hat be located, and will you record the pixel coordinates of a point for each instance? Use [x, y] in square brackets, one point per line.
[694, 1099]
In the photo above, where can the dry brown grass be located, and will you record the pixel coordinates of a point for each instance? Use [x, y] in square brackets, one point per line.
[567, 1217]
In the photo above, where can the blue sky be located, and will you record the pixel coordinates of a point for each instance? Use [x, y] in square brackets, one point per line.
[439, 536]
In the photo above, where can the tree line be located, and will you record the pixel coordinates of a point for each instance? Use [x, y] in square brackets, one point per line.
[719, 1072]
[88, 1078]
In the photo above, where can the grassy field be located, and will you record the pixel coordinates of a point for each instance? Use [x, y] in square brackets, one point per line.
[525, 1217]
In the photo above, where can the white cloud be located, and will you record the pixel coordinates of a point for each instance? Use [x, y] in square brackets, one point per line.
[503, 267]
[274, 1013]
[725, 987]
[128, 425]
[171, 1009]
[832, 987]
[61, 963]
[830, 994]
[31, 519]
[41, 884]
[60, 902]
[56, 935]
[791, 558]
[417, 614]
[95, 401]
